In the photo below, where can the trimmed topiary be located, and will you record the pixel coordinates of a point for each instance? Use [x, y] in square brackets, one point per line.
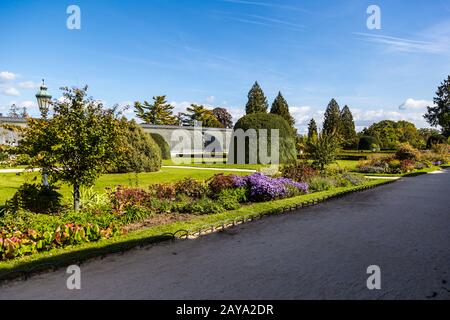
[140, 153]
[162, 144]
[257, 121]
[367, 143]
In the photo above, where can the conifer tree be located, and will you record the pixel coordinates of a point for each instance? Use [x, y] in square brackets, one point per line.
[158, 113]
[312, 130]
[332, 121]
[257, 102]
[348, 131]
[281, 108]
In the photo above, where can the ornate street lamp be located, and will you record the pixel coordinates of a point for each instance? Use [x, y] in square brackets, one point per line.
[43, 98]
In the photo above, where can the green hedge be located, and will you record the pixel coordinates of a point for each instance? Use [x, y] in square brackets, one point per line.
[140, 152]
[288, 151]
[162, 144]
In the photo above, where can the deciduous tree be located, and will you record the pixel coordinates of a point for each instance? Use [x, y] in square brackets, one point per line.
[439, 115]
[77, 143]
[224, 117]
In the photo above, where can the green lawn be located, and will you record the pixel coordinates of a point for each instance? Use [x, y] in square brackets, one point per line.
[9, 182]
[219, 165]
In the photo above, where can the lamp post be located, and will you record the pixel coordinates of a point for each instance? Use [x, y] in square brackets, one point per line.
[43, 99]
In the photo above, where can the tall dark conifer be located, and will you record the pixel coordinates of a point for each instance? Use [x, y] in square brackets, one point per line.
[281, 108]
[332, 121]
[348, 131]
[257, 102]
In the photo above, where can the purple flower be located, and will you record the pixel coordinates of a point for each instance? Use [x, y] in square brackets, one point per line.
[264, 188]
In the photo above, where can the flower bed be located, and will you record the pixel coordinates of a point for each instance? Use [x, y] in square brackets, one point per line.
[406, 160]
[14, 243]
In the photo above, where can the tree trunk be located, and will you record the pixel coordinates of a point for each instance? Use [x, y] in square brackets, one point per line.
[76, 197]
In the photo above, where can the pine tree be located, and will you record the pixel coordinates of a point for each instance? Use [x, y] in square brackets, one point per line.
[158, 113]
[200, 114]
[281, 108]
[312, 130]
[257, 102]
[348, 130]
[332, 122]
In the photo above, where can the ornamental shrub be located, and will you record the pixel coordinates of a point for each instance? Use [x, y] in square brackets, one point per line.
[123, 197]
[257, 121]
[138, 152]
[14, 243]
[163, 191]
[367, 143]
[321, 183]
[162, 144]
[220, 182]
[406, 152]
[202, 206]
[264, 188]
[354, 179]
[407, 165]
[301, 171]
[191, 188]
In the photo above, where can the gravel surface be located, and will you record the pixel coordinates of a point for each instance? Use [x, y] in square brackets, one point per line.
[319, 253]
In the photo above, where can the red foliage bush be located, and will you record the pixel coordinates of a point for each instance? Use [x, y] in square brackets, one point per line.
[163, 191]
[123, 197]
[407, 165]
[190, 187]
[300, 172]
[220, 182]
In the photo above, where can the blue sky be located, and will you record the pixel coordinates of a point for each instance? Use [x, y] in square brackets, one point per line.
[211, 52]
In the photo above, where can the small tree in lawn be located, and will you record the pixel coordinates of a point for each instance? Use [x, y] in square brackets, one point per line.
[77, 143]
[323, 150]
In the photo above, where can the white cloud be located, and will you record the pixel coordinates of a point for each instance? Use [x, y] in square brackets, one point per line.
[28, 104]
[434, 45]
[180, 106]
[412, 104]
[210, 99]
[10, 91]
[6, 75]
[29, 85]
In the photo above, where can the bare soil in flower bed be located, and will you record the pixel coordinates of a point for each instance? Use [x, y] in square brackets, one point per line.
[157, 220]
